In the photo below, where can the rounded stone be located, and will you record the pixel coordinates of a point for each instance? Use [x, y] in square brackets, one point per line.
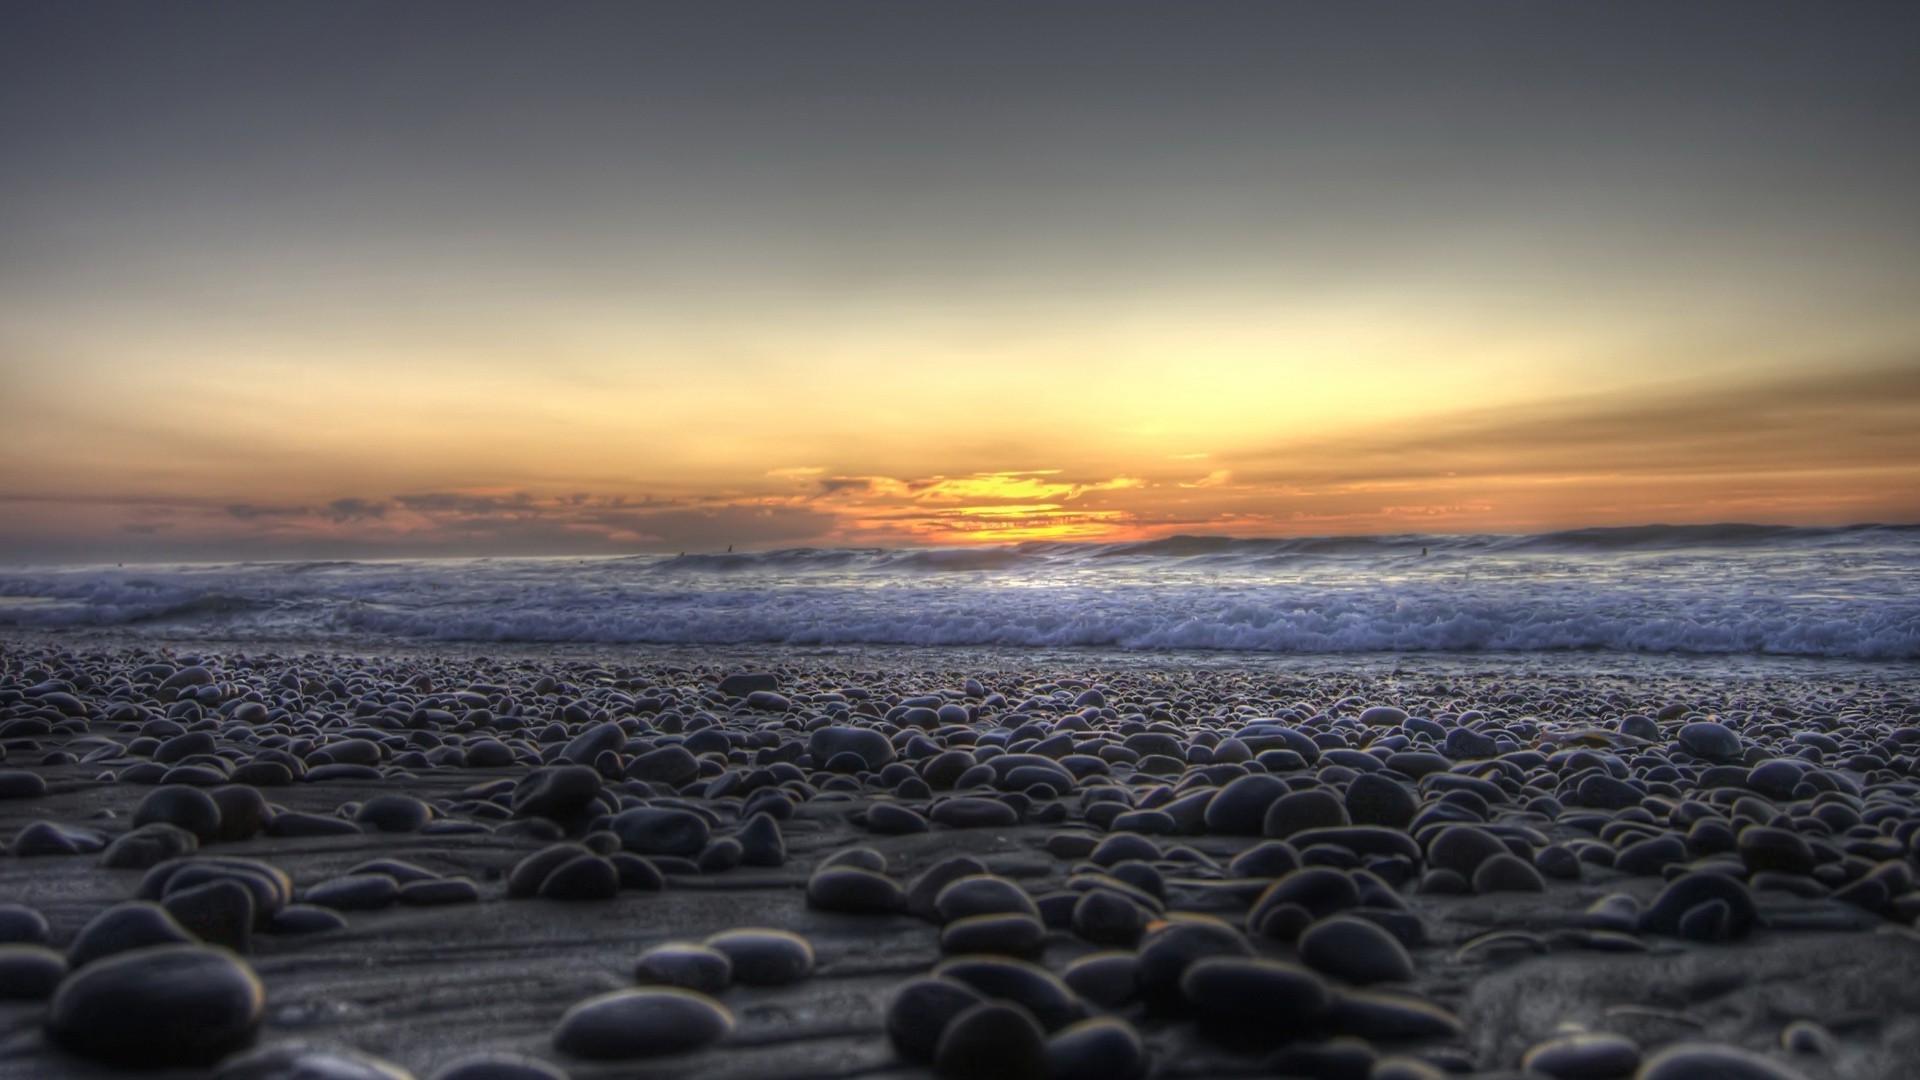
[1709, 1061]
[30, 972]
[1355, 951]
[920, 1012]
[854, 891]
[982, 894]
[1583, 1056]
[1239, 991]
[187, 807]
[687, 966]
[499, 1067]
[652, 830]
[994, 1040]
[21, 924]
[1314, 808]
[1103, 1048]
[122, 928]
[307, 1061]
[628, 1024]
[1507, 872]
[764, 957]
[1241, 807]
[171, 1005]
[1006, 934]
[393, 813]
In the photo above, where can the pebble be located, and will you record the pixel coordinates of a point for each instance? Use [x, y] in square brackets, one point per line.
[1708, 1061]
[30, 972]
[499, 1067]
[1354, 951]
[124, 927]
[1102, 1048]
[994, 1040]
[648, 830]
[168, 1005]
[689, 967]
[1583, 1056]
[627, 1024]
[764, 957]
[308, 1061]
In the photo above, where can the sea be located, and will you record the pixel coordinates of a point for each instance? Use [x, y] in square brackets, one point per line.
[1847, 594]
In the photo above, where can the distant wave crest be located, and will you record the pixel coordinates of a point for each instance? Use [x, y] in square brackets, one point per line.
[1733, 589]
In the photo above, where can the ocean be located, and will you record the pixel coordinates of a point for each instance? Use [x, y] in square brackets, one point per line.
[1851, 593]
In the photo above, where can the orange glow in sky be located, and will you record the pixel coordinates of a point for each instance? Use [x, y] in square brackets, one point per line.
[624, 278]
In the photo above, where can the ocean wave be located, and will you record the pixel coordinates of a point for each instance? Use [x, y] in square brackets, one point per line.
[1851, 593]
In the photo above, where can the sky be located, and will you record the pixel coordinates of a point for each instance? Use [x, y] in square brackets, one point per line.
[460, 278]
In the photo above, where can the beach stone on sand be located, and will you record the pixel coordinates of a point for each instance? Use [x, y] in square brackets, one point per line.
[148, 846]
[1764, 848]
[170, 1005]
[1689, 891]
[1007, 934]
[20, 924]
[243, 811]
[561, 792]
[982, 894]
[30, 972]
[306, 919]
[393, 813]
[1374, 1015]
[1711, 739]
[354, 892]
[1315, 808]
[1168, 951]
[1462, 848]
[741, 684]
[1507, 872]
[1342, 1058]
[500, 1067]
[920, 1012]
[186, 807]
[763, 957]
[654, 830]
[871, 747]
[136, 924]
[1103, 1048]
[761, 842]
[1241, 807]
[1372, 799]
[994, 1040]
[854, 891]
[586, 876]
[308, 1061]
[20, 784]
[687, 966]
[1709, 1061]
[1583, 1056]
[1240, 992]
[1354, 950]
[971, 812]
[1383, 716]
[629, 1024]
[1030, 986]
[924, 890]
[219, 912]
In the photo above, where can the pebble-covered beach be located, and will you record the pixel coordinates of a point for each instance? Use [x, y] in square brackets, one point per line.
[270, 865]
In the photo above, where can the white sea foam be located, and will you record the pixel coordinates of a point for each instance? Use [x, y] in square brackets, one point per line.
[1851, 593]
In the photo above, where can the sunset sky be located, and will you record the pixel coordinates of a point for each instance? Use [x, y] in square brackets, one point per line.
[286, 279]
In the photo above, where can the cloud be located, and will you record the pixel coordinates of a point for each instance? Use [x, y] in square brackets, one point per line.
[251, 512]
[1848, 420]
[341, 511]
